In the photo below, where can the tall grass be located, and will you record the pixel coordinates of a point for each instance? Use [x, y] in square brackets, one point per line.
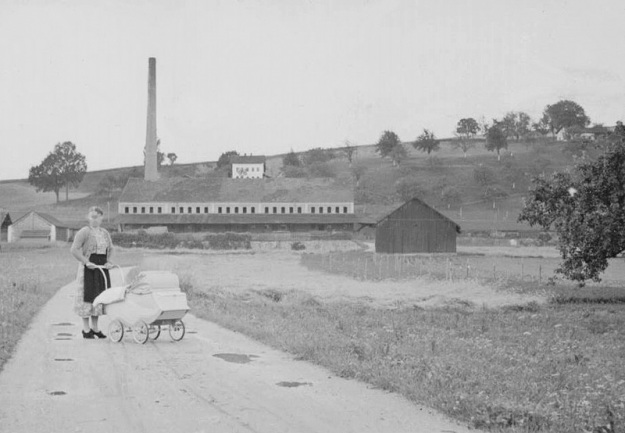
[554, 368]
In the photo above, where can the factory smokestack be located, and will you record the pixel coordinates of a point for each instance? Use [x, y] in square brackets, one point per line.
[150, 136]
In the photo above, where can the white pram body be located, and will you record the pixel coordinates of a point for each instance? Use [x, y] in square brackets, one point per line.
[152, 300]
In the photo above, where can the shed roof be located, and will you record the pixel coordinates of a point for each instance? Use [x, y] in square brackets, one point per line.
[415, 199]
[52, 220]
[222, 190]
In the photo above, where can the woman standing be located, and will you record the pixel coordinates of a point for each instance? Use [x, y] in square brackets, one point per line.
[92, 247]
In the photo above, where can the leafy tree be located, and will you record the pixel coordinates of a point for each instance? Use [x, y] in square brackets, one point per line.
[618, 136]
[522, 126]
[483, 175]
[172, 158]
[451, 195]
[224, 159]
[427, 142]
[467, 127]
[112, 183]
[291, 160]
[496, 140]
[409, 187]
[64, 166]
[508, 124]
[317, 155]
[390, 145]
[564, 114]
[586, 207]
[542, 126]
[358, 171]
[349, 150]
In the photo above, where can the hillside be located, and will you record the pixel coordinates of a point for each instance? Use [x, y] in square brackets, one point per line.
[446, 180]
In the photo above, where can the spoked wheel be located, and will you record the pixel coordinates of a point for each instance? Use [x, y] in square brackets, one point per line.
[140, 332]
[155, 331]
[116, 331]
[176, 330]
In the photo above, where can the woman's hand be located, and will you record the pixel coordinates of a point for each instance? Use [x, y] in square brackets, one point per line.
[91, 265]
[109, 265]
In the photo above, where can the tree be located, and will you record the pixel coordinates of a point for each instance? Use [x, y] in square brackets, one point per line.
[64, 166]
[172, 158]
[542, 126]
[291, 160]
[427, 142]
[586, 207]
[390, 145]
[409, 187]
[496, 140]
[358, 171]
[564, 114]
[522, 125]
[224, 159]
[317, 155]
[508, 124]
[467, 127]
[349, 150]
[618, 136]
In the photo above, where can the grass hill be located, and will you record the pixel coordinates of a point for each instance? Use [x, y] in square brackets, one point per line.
[478, 191]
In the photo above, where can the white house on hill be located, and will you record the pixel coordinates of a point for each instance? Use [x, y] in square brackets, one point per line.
[248, 167]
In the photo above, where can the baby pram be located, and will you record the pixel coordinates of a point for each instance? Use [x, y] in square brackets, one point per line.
[153, 299]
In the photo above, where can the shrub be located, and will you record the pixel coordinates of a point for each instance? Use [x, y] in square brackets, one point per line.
[451, 195]
[483, 175]
[409, 187]
[229, 241]
[494, 192]
[298, 246]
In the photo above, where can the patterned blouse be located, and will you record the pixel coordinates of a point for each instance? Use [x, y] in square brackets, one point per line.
[93, 241]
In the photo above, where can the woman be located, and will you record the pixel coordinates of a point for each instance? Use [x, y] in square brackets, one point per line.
[92, 247]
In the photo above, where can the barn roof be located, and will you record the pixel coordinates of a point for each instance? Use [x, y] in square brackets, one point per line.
[4, 217]
[52, 220]
[425, 204]
[236, 219]
[218, 189]
[244, 159]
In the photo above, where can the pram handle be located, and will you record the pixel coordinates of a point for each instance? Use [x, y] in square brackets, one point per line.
[106, 282]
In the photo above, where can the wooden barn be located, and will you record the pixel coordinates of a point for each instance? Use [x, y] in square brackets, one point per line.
[5, 222]
[37, 226]
[415, 227]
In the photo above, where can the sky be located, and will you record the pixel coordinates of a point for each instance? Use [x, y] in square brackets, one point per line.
[265, 77]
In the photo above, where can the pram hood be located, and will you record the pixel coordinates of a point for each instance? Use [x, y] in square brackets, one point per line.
[148, 281]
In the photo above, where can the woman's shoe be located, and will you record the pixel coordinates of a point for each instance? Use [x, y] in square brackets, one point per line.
[89, 334]
[99, 334]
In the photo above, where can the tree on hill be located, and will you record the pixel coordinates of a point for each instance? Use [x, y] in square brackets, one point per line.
[564, 114]
[317, 155]
[515, 124]
[63, 167]
[224, 159]
[390, 145]
[466, 129]
[586, 208]
[542, 126]
[172, 158]
[349, 150]
[496, 140]
[291, 160]
[427, 142]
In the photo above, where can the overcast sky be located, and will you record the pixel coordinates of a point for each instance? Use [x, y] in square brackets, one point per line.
[264, 77]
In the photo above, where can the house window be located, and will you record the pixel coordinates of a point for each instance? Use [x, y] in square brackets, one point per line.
[197, 209]
[244, 209]
[134, 209]
[290, 210]
[236, 209]
[127, 209]
[282, 209]
[160, 209]
[219, 209]
[142, 209]
[206, 209]
[173, 210]
[151, 209]
[320, 209]
[181, 209]
[190, 209]
[266, 210]
[275, 209]
[344, 209]
[299, 209]
[227, 209]
[312, 209]
[329, 209]
[252, 209]
[338, 209]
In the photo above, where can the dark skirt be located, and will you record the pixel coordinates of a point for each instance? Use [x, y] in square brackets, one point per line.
[94, 281]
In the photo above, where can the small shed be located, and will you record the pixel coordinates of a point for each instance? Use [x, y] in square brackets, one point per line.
[5, 222]
[415, 227]
[38, 226]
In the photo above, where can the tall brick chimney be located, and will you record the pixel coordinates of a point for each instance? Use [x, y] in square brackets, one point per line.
[151, 172]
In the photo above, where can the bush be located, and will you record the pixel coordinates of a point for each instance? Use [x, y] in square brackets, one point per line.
[451, 195]
[218, 241]
[298, 246]
[229, 241]
[494, 192]
[483, 175]
[409, 187]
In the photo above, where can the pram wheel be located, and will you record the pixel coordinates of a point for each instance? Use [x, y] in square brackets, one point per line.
[140, 332]
[155, 331]
[116, 331]
[176, 330]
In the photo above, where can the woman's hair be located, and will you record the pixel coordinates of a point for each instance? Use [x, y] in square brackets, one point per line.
[94, 210]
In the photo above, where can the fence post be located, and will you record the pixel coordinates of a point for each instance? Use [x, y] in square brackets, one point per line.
[540, 274]
[494, 271]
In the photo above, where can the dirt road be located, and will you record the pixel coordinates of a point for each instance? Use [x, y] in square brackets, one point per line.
[213, 381]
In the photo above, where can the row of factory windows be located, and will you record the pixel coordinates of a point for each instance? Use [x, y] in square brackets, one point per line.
[237, 209]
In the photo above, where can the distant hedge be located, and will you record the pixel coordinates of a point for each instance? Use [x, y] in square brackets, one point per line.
[218, 241]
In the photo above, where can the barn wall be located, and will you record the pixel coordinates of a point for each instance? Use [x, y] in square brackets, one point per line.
[415, 228]
[31, 221]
